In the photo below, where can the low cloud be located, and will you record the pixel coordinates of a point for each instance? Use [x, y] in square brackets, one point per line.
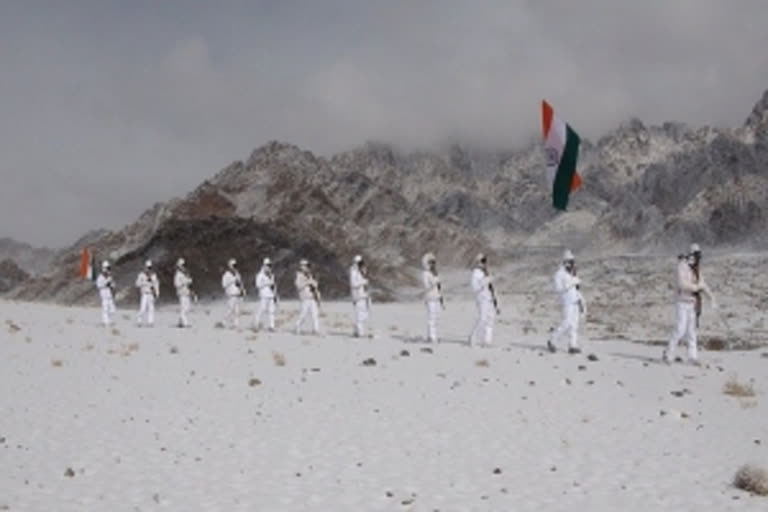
[109, 108]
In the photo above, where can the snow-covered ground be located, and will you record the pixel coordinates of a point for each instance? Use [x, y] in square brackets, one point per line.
[207, 419]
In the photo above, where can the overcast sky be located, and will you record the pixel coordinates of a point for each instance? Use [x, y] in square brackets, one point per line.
[108, 106]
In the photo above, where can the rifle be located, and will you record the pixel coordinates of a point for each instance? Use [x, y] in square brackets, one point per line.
[697, 295]
[364, 273]
[313, 288]
[439, 289]
[573, 273]
[582, 307]
[493, 294]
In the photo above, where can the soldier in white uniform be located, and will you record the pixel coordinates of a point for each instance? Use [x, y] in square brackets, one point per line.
[572, 302]
[485, 299]
[265, 283]
[149, 289]
[433, 294]
[182, 281]
[233, 287]
[106, 286]
[690, 285]
[358, 284]
[309, 296]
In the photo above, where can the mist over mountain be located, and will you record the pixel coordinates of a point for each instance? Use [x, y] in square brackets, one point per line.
[646, 188]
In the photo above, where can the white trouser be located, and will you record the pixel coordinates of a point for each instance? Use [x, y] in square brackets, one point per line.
[361, 316]
[266, 306]
[146, 309]
[569, 325]
[685, 328]
[232, 318]
[184, 307]
[308, 307]
[107, 310]
[433, 313]
[486, 315]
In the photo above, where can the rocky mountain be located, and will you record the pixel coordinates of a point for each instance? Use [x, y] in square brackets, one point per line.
[33, 260]
[647, 188]
[11, 275]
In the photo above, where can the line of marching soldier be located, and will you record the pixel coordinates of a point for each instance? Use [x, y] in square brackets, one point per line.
[690, 287]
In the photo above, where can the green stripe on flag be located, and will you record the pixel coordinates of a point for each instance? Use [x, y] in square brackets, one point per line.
[561, 187]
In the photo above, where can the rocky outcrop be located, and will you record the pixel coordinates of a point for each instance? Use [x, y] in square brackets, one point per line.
[11, 275]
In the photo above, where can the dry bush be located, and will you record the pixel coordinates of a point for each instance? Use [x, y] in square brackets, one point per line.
[752, 479]
[735, 388]
[730, 343]
[58, 363]
[715, 343]
[278, 358]
[483, 363]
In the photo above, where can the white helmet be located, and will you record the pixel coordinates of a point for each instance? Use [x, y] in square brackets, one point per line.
[148, 264]
[695, 248]
[427, 259]
[358, 258]
[568, 255]
[180, 262]
[304, 263]
[267, 262]
[232, 263]
[105, 264]
[480, 258]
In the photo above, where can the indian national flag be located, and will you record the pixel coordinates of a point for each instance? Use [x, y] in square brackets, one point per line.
[561, 149]
[86, 265]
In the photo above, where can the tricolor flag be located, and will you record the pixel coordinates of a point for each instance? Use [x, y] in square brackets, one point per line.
[561, 149]
[86, 265]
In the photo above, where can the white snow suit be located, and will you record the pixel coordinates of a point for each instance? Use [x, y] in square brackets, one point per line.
[233, 288]
[432, 300]
[685, 310]
[358, 285]
[182, 282]
[572, 304]
[265, 283]
[486, 312]
[149, 289]
[309, 307]
[104, 284]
